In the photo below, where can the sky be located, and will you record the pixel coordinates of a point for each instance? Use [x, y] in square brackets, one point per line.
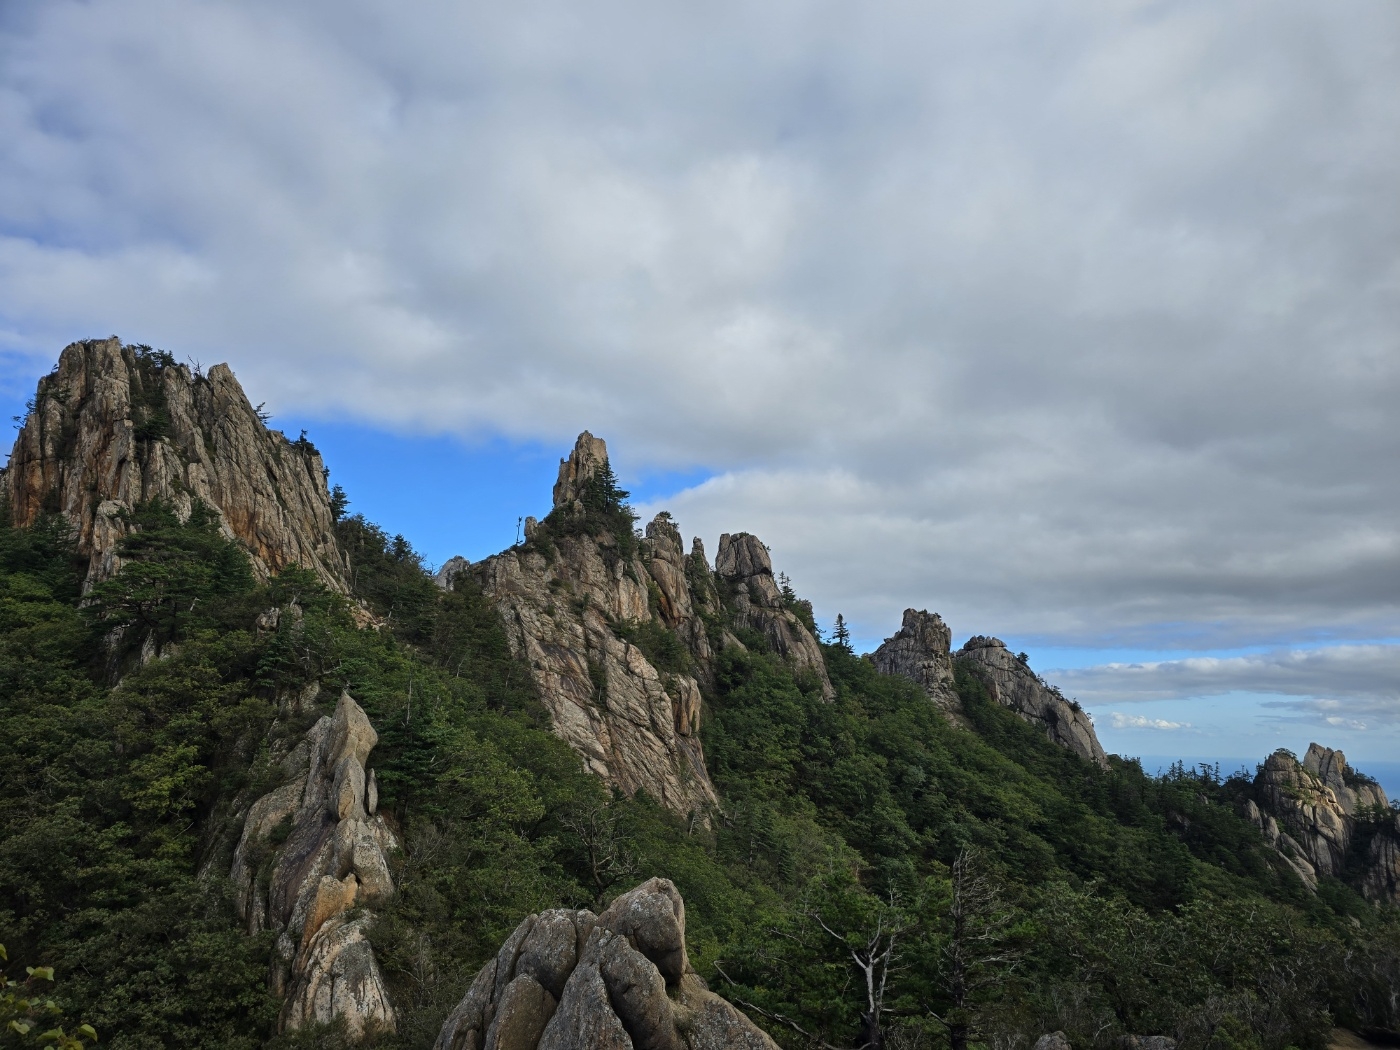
[1078, 324]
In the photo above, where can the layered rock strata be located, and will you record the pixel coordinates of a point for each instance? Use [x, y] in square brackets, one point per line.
[621, 980]
[311, 864]
[921, 650]
[113, 426]
[1313, 811]
[583, 608]
[1012, 684]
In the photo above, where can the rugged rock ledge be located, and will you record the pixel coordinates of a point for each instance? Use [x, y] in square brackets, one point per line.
[113, 426]
[1313, 812]
[310, 863]
[616, 981]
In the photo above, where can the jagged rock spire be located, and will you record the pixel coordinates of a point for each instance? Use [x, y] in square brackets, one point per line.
[584, 461]
[921, 650]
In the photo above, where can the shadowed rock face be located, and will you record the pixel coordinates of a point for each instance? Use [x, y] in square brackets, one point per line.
[111, 428]
[568, 604]
[1014, 685]
[334, 858]
[1311, 812]
[921, 652]
[622, 980]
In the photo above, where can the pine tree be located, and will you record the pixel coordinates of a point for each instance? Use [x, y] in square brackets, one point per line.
[841, 634]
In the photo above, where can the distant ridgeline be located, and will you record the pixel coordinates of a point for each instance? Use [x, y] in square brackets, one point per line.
[269, 782]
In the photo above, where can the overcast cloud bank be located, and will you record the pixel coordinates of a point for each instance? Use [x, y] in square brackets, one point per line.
[1080, 324]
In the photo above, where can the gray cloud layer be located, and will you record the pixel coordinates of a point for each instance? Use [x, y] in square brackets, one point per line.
[1077, 323]
[1349, 686]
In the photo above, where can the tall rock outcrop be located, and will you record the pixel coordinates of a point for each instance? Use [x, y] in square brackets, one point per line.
[1012, 684]
[921, 650]
[1325, 819]
[747, 571]
[113, 426]
[311, 863]
[616, 981]
[619, 631]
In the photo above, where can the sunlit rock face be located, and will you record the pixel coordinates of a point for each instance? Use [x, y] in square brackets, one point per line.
[1325, 819]
[113, 426]
[621, 980]
[620, 635]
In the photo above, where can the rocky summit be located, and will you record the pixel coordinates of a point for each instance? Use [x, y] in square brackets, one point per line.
[114, 426]
[1313, 814]
[620, 633]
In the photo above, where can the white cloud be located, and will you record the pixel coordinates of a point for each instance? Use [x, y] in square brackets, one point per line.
[1075, 324]
[1122, 721]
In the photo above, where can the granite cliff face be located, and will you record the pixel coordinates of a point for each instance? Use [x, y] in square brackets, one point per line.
[113, 426]
[616, 981]
[1324, 819]
[620, 633]
[311, 863]
[920, 651]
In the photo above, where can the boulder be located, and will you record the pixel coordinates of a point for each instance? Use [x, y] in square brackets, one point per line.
[620, 980]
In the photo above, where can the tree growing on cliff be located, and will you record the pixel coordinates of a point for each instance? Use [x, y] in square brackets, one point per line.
[841, 634]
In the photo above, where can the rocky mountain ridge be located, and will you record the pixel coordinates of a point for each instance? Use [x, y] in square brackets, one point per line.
[922, 651]
[114, 426]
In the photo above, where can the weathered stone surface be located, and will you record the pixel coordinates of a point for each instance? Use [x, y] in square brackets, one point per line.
[334, 858]
[743, 563]
[922, 652]
[336, 976]
[111, 429]
[652, 918]
[1309, 811]
[1014, 685]
[1052, 1041]
[570, 599]
[612, 993]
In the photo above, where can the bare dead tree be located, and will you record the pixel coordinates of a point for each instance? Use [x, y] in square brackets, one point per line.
[595, 827]
[874, 954]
